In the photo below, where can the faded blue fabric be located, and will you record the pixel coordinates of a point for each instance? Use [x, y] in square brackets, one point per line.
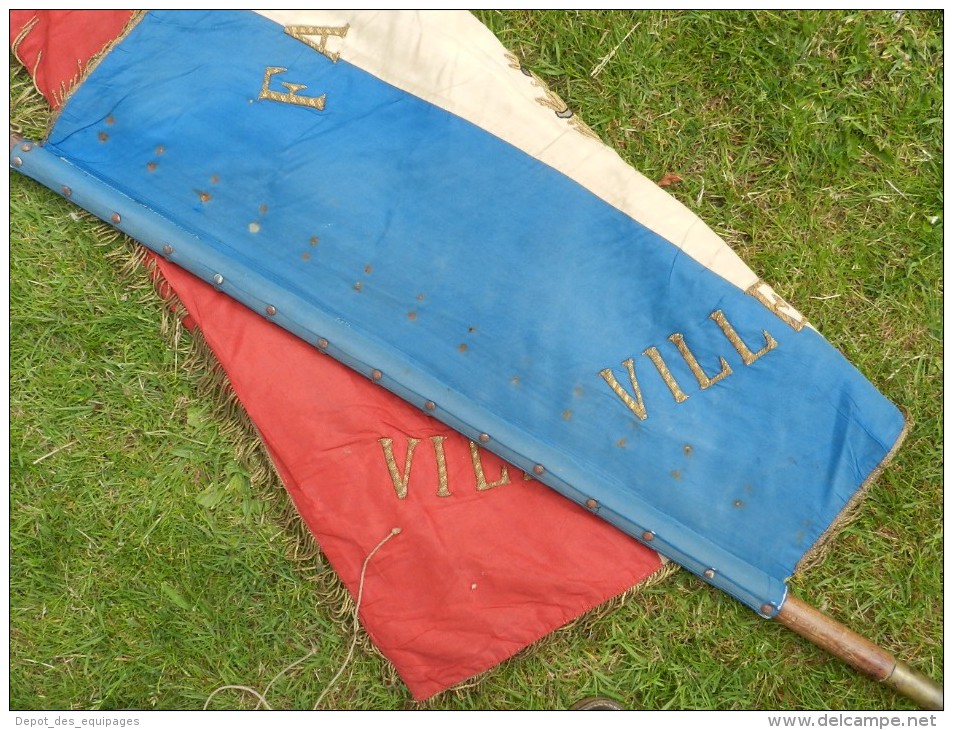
[473, 276]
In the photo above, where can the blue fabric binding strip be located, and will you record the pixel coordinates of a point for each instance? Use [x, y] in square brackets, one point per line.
[475, 277]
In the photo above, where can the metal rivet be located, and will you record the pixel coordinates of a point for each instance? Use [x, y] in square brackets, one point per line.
[254, 227]
[323, 344]
[592, 504]
[218, 279]
[357, 286]
[430, 405]
[17, 162]
[648, 536]
[271, 310]
[484, 437]
[67, 190]
[377, 375]
[539, 469]
[116, 218]
[26, 146]
[710, 573]
[767, 609]
[151, 166]
[167, 250]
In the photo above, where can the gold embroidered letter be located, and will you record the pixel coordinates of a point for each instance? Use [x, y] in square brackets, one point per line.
[746, 354]
[302, 33]
[481, 483]
[636, 405]
[400, 482]
[656, 357]
[442, 490]
[703, 380]
[314, 102]
[784, 311]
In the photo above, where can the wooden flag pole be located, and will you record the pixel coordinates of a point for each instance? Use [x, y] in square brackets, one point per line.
[860, 653]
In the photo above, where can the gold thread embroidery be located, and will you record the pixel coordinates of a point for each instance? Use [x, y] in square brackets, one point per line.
[24, 32]
[400, 481]
[301, 33]
[482, 484]
[761, 291]
[266, 93]
[655, 356]
[583, 128]
[636, 404]
[443, 490]
[703, 380]
[747, 356]
[551, 100]
[512, 61]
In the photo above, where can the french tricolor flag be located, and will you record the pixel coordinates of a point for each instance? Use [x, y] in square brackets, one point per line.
[393, 190]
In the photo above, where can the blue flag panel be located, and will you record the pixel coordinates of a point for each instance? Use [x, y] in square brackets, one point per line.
[479, 284]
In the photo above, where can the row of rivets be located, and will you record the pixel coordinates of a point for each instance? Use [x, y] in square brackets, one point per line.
[648, 536]
[18, 161]
[429, 405]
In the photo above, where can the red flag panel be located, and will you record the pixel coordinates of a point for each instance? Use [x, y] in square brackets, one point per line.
[487, 560]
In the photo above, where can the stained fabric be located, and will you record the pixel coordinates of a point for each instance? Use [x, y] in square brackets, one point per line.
[478, 283]
[487, 561]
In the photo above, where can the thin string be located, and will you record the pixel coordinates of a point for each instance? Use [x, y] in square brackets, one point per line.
[357, 607]
[262, 702]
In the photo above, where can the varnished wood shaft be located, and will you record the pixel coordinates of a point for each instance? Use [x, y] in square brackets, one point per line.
[860, 653]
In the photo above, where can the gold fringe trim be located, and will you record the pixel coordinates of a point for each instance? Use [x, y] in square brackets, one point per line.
[850, 512]
[580, 624]
[24, 32]
[137, 269]
[135, 266]
[248, 447]
[95, 59]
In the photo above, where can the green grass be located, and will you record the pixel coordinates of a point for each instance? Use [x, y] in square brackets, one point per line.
[150, 563]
